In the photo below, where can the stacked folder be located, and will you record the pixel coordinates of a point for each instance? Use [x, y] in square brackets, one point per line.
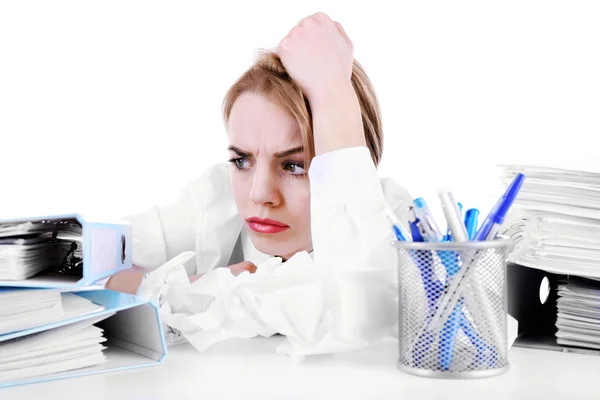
[555, 224]
[578, 320]
[54, 321]
[556, 220]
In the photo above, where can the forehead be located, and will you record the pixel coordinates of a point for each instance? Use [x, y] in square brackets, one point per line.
[256, 124]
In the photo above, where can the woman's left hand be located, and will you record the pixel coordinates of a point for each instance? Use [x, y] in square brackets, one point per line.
[126, 281]
[318, 55]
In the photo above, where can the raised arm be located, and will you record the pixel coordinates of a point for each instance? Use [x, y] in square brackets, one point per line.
[319, 57]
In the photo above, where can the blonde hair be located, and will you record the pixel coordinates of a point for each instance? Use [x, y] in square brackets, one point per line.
[268, 77]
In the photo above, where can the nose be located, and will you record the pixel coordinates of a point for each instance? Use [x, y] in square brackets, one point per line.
[265, 187]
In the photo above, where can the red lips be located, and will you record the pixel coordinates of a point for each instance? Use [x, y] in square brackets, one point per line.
[266, 225]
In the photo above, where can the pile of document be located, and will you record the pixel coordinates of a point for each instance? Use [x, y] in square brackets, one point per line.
[28, 248]
[555, 226]
[22, 309]
[578, 319]
[555, 221]
[52, 351]
[57, 320]
[49, 351]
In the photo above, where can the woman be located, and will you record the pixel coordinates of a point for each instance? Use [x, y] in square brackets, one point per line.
[305, 136]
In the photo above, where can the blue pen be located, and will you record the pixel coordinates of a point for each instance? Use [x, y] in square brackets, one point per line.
[471, 221]
[433, 290]
[430, 229]
[423, 259]
[491, 225]
[397, 227]
[399, 235]
[415, 231]
[457, 319]
[488, 231]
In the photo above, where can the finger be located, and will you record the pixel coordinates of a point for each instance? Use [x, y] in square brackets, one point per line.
[250, 267]
[281, 47]
[284, 43]
[237, 269]
[340, 28]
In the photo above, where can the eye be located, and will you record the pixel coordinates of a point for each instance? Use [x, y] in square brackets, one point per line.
[241, 163]
[295, 168]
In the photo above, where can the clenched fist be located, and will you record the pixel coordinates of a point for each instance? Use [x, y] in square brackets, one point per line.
[318, 55]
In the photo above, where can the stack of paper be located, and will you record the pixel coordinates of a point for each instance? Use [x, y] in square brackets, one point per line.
[57, 350]
[56, 320]
[578, 319]
[28, 248]
[22, 309]
[555, 221]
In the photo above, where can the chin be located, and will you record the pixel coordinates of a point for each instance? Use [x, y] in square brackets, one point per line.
[274, 246]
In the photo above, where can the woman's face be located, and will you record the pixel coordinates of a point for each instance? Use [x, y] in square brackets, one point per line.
[269, 181]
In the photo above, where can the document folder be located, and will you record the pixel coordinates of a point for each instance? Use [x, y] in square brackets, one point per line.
[556, 230]
[62, 251]
[133, 331]
[537, 319]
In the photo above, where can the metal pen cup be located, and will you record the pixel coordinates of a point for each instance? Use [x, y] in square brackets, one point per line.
[471, 341]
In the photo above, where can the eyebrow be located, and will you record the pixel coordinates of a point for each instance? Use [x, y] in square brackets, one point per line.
[239, 151]
[280, 154]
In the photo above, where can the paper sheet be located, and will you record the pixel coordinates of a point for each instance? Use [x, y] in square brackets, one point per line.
[578, 319]
[555, 221]
[18, 301]
[53, 367]
[69, 306]
[61, 349]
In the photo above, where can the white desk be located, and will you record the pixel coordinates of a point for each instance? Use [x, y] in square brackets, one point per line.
[250, 369]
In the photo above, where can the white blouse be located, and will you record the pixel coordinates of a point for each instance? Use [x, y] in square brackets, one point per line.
[351, 238]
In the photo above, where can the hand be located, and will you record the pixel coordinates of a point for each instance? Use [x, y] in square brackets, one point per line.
[129, 280]
[318, 55]
[126, 281]
[237, 269]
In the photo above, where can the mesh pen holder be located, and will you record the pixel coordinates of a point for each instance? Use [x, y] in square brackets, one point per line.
[447, 329]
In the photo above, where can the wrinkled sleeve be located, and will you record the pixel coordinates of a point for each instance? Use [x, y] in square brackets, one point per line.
[348, 221]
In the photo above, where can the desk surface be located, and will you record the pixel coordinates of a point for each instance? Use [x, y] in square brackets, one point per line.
[249, 369]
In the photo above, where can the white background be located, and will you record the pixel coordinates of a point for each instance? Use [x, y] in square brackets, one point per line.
[109, 107]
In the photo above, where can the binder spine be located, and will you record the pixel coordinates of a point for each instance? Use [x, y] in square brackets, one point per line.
[109, 250]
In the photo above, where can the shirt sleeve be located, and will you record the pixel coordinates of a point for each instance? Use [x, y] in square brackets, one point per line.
[351, 235]
[162, 232]
[348, 221]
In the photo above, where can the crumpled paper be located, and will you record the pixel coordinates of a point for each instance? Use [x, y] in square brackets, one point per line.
[318, 309]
